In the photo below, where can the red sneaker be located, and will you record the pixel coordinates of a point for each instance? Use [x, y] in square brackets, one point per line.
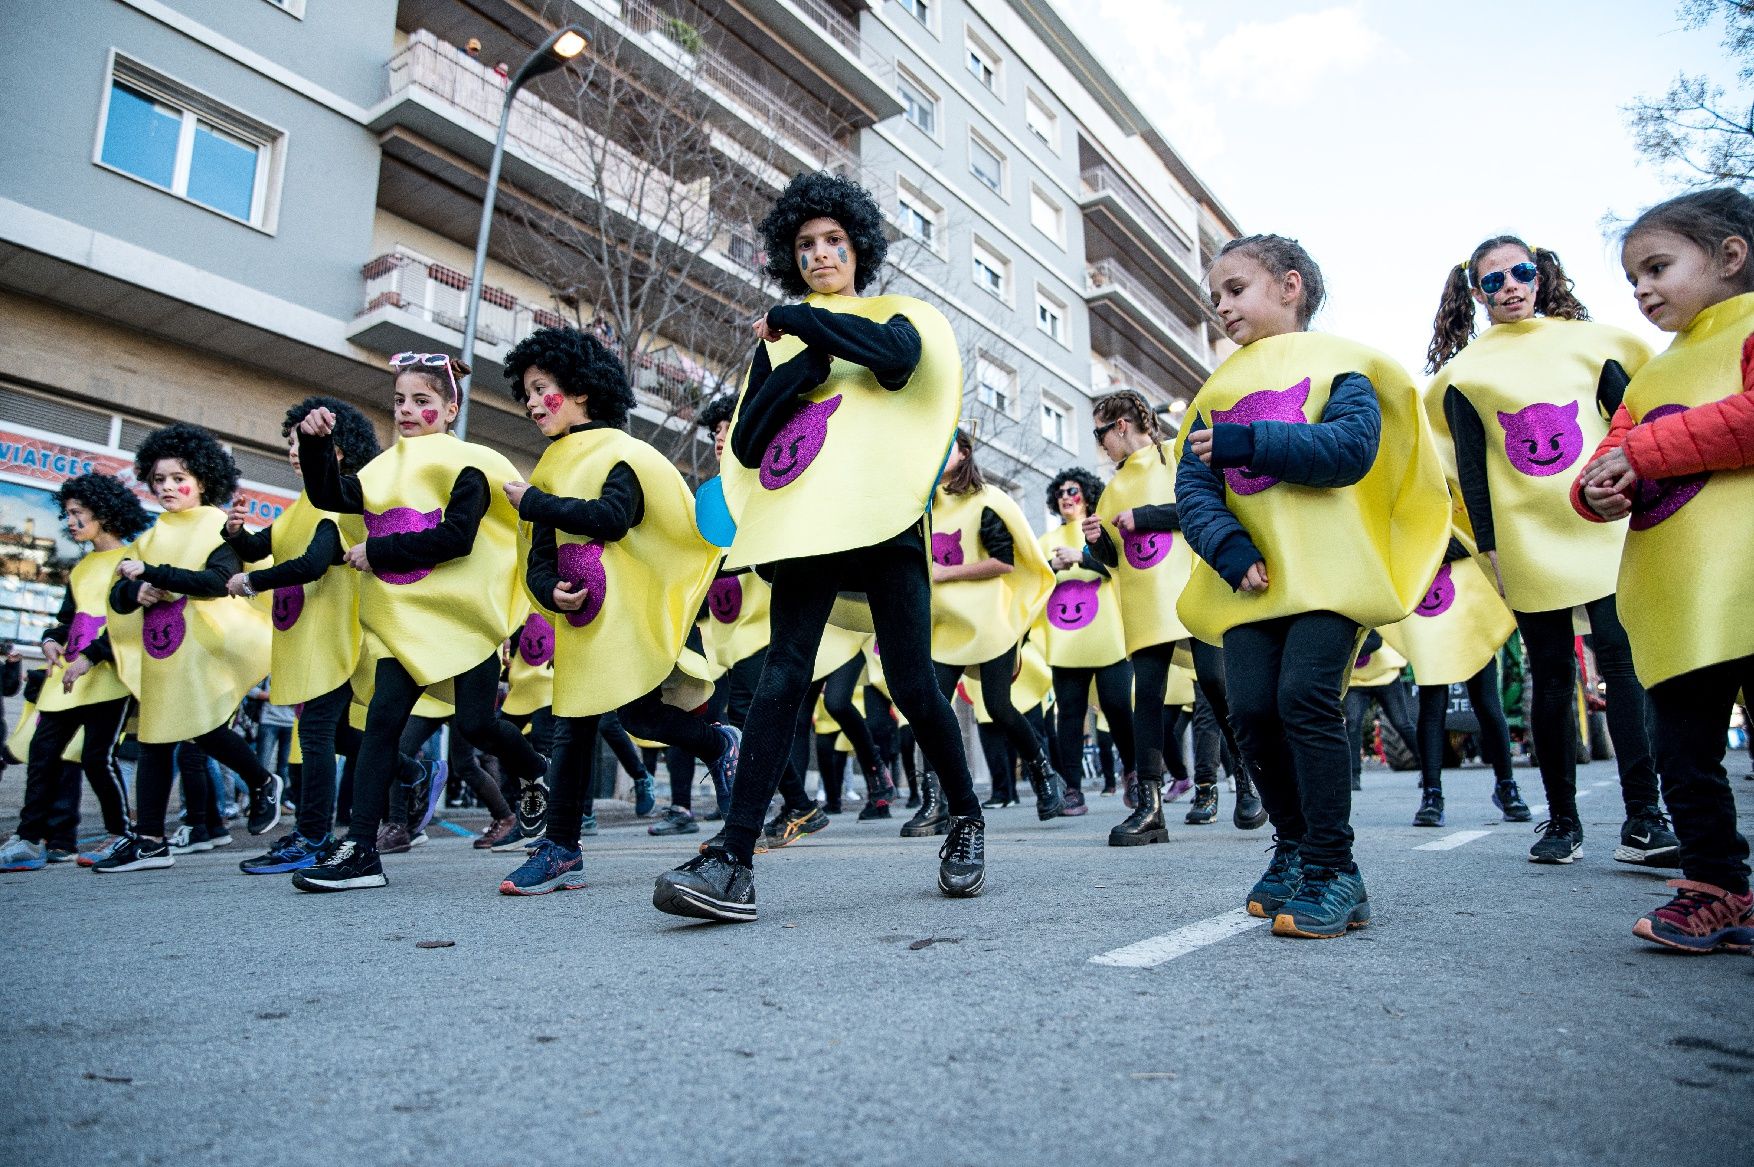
[1701, 918]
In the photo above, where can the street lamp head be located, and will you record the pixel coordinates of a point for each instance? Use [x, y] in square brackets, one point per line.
[562, 46]
[570, 44]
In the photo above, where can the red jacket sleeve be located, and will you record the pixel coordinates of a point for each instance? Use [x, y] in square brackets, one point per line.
[1715, 436]
[1618, 429]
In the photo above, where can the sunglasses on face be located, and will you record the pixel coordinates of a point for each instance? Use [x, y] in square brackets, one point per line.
[1100, 431]
[1071, 492]
[407, 360]
[1523, 273]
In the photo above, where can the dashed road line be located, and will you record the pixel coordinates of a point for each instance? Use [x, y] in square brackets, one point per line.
[1452, 841]
[1189, 938]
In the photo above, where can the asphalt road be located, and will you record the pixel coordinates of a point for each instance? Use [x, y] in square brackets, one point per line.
[1496, 1012]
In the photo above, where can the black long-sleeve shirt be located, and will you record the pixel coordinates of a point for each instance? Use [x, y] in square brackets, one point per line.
[607, 518]
[1149, 517]
[204, 583]
[453, 538]
[98, 651]
[323, 552]
[996, 538]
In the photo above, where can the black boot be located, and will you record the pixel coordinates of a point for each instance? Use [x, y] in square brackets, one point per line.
[933, 817]
[879, 793]
[1205, 808]
[1248, 814]
[1049, 787]
[1145, 824]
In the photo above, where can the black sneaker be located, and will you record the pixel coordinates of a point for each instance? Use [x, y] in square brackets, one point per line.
[712, 886]
[265, 805]
[1430, 812]
[785, 829]
[1647, 841]
[346, 868]
[1509, 801]
[1284, 875]
[135, 854]
[962, 866]
[1205, 807]
[1560, 842]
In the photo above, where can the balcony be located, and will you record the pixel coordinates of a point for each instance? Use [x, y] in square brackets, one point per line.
[1123, 374]
[823, 53]
[1132, 306]
[1135, 221]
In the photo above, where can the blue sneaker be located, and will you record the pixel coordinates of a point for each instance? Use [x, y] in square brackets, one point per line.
[645, 796]
[1328, 903]
[588, 825]
[1278, 883]
[291, 852]
[724, 770]
[22, 855]
[550, 867]
[435, 790]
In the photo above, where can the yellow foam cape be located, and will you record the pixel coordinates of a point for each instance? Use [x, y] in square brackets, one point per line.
[1151, 592]
[456, 615]
[735, 627]
[19, 742]
[1067, 640]
[839, 645]
[211, 652]
[530, 675]
[1381, 666]
[1366, 551]
[1031, 682]
[978, 620]
[877, 452]
[1179, 692]
[1686, 592]
[1457, 627]
[1534, 381]
[90, 582]
[319, 650]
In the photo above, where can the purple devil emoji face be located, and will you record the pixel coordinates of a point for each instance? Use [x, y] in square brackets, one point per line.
[402, 521]
[1073, 604]
[725, 599]
[536, 641]
[1541, 439]
[1145, 549]
[581, 565]
[163, 628]
[1262, 405]
[289, 605]
[1439, 596]
[947, 549]
[1654, 501]
[797, 444]
[83, 629]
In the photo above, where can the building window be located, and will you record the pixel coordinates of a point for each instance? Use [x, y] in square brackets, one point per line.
[920, 10]
[995, 385]
[982, 62]
[1053, 421]
[916, 214]
[992, 272]
[180, 141]
[1043, 122]
[1046, 216]
[1050, 316]
[917, 103]
[986, 164]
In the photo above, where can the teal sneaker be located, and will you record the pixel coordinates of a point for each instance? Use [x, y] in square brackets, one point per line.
[1278, 883]
[588, 825]
[1328, 903]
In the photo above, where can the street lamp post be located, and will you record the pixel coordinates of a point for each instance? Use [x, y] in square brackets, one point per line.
[565, 44]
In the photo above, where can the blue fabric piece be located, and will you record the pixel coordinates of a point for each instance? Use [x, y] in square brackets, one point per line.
[1337, 451]
[1215, 534]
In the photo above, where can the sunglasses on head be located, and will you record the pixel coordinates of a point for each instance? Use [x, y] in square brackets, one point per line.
[407, 360]
[1523, 273]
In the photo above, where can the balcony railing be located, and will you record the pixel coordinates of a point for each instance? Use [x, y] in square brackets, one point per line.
[832, 22]
[1105, 275]
[1123, 374]
[1102, 180]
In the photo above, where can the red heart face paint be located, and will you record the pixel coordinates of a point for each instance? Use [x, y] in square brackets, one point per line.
[185, 490]
[429, 416]
[552, 402]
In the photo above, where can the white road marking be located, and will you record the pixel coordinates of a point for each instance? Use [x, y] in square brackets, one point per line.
[1451, 842]
[1190, 938]
[1603, 782]
[1585, 793]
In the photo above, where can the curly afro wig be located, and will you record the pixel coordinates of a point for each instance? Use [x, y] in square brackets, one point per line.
[823, 196]
[353, 434]
[116, 508]
[199, 452]
[1089, 483]
[717, 410]
[582, 364]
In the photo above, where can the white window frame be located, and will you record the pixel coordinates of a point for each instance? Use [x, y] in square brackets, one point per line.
[905, 76]
[975, 46]
[914, 199]
[1038, 197]
[1051, 406]
[984, 255]
[1033, 104]
[926, 13]
[293, 8]
[1007, 393]
[195, 106]
[977, 140]
[1046, 304]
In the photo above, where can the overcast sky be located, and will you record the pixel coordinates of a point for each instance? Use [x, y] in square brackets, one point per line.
[1392, 136]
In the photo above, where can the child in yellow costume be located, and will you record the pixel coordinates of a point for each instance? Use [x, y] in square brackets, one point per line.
[82, 692]
[438, 590]
[315, 613]
[616, 560]
[1310, 488]
[841, 430]
[990, 585]
[1522, 404]
[186, 650]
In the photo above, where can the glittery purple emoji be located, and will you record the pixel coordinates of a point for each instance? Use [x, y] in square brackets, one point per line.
[581, 565]
[1074, 603]
[1541, 439]
[725, 599]
[289, 605]
[1439, 596]
[163, 628]
[1655, 500]
[797, 444]
[1145, 549]
[402, 521]
[1262, 405]
[947, 549]
[536, 641]
[82, 631]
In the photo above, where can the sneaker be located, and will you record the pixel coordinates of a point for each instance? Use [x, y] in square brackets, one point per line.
[22, 855]
[345, 867]
[65, 854]
[1278, 883]
[1073, 804]
[1176, 788]
[265, 806]
[394, 839]
[289, 853]
[874, 809]
[645, 796]
[550, 867]
[785, 829]
[497, 832]
[435, 790]
[712, 886]
[677, 820]
[1430, 812]
[1205, 807]
[190, 841]
[1561, 841]
[419, 839]
[1646, 840]
[1701, 918]
[135, 855]
[1509, 801]
[962, 860]
[516, 840]
[723, 770]
[587, 825]
[532, 808]
[1328, 903]
[103, 851]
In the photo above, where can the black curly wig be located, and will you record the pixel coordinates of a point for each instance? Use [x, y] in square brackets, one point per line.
[823, 196]
[116, 508]
[1089, 483]
[718, 409]
[353, 435]
[199, 452]
[582, 364]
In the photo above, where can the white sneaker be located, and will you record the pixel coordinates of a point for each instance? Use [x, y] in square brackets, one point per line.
[218, 841]
[21, 855]
[187, 842]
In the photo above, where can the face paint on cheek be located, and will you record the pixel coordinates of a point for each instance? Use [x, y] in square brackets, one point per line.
[429, 416]
[803, 261]
[552, 402]
[185, 490]
[842, 252]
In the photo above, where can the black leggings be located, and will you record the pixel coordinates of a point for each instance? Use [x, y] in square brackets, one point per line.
[153, 774]
[804, 590]
[995, 679]
[1493, 739]
[1548, 637]
[1150, 682]
[1392, 700]
[837, 697]
[409, 797]
[323, 732]
[1000, 758]
[476, 718]
[831, 764]
[1114, 694]
[102, 723]
[1692, 711]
